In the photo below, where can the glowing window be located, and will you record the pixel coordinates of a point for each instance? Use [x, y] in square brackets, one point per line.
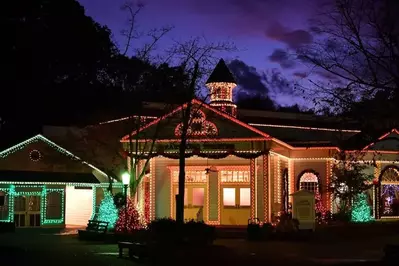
[229, 196]
[390, 175]
[198, 196]
[235, 176]
[309, 181]
[245, 197]
[191, 176]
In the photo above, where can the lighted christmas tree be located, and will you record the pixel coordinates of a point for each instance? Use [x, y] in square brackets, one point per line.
[129, 218]
[108, 211]
[361, 211]
[321, 211]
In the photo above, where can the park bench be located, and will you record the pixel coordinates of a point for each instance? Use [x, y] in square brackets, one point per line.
[137, 251]
[95, 230]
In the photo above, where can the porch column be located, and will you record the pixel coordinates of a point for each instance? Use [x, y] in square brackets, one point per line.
[265, 166]
[152, 189]
[213, 205]
[328, 197]
[377, 191]
[252, 182]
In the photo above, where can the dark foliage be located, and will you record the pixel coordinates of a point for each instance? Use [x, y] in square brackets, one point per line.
[191, 232]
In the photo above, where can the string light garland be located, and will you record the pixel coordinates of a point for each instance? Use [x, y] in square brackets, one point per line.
[265, 164]
[321, 211]
[199, 126]
[262, 135]
[130, 222]
[5, 153]
[147, 202]
[35, 155]
[222, 97]
[252, 169]
[43, 193]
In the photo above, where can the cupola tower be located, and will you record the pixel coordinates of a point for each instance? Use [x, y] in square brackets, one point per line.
[221, 84]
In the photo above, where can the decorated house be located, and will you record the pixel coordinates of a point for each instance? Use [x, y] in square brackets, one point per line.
[243, 164]
[45, 185]
[240, 164]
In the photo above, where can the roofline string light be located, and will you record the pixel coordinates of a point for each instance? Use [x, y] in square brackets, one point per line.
[53, 145]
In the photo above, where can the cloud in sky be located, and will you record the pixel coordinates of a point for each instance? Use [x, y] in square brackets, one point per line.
[294, 39]
[282, 57]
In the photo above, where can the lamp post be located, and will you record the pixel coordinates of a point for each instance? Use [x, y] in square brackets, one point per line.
[125, 181]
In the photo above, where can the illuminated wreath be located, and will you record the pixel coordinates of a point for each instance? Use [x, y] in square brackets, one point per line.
[35, 155]
[199, 126]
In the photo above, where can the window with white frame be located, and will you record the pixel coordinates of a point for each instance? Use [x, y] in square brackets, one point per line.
[191, 176]
[234, 176]
[309, 182]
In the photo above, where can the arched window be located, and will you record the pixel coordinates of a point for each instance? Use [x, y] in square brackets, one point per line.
[390, 191]
[390, 175]
[309, 181]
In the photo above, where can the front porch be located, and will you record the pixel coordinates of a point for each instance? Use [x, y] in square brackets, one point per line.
[49, 205]
[225, 191]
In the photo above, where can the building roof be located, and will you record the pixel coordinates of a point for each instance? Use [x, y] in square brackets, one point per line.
[225, 127]
[307, 136]
[221, 73]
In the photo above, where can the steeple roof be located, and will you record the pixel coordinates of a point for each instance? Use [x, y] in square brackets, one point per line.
[221, 73]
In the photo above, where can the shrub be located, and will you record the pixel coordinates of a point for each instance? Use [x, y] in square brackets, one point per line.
[341, 216]
[254, 230]
[287, 224]
[267, 230]
[198, 233]
[191, 232]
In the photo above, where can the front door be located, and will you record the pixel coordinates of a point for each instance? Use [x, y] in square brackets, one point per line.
[236, 205]
[27, 211]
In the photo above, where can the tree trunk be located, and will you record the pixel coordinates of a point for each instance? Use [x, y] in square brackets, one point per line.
[182, 166]
[186, 115]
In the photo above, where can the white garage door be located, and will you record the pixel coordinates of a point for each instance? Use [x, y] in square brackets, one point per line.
[78, 206]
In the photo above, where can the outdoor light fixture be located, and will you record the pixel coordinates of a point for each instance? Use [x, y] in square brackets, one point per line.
[126, 178]
[125, 181]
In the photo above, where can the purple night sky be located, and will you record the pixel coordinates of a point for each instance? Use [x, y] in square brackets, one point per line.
[265, 31]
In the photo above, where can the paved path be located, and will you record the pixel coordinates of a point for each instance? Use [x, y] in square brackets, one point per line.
[44, 247]
[41, 248]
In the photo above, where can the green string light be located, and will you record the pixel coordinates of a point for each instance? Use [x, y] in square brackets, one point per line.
[94, 202]
[361, 211]
[43, 193]
[53, 145]
[12, 193]
[108, 211]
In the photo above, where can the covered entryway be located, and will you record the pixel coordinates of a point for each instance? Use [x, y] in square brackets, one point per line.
[27, 211]
[195, 194]
[235, 197]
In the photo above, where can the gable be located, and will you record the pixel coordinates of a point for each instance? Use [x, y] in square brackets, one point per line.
[207, 123]
[387, 142]
[40, 154]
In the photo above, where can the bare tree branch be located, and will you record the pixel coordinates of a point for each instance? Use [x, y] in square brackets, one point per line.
[358, 46]
[130, 34]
